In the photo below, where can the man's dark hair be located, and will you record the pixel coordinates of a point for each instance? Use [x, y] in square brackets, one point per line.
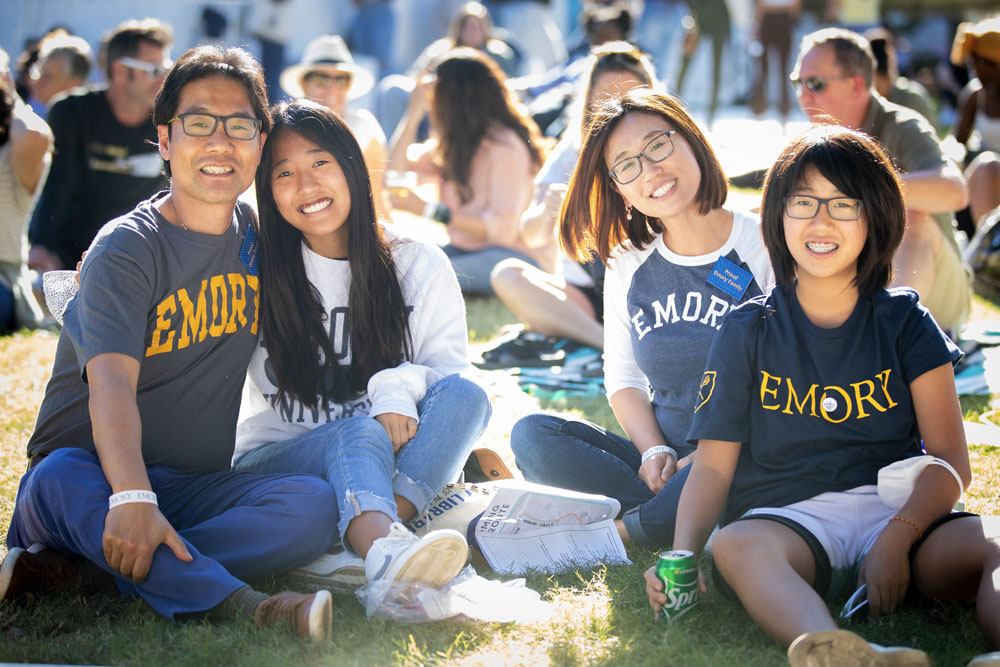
[856, 164]
[125, 40]
[205, 61]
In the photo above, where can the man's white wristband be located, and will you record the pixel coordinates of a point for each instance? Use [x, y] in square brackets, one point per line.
[659, 449]
[137, 496]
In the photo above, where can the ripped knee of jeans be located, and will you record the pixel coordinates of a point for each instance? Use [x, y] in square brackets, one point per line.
[418, 493]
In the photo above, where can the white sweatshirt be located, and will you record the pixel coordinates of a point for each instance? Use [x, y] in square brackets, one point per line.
[438, 331]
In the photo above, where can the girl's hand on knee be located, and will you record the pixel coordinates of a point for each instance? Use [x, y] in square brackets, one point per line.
[400, 428]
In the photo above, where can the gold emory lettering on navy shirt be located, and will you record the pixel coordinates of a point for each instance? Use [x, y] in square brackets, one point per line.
[859, 399]
[218, 308]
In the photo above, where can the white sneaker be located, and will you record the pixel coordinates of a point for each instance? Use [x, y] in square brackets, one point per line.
[842, 648]
[433, 559]
[342, 571]
[986, 659]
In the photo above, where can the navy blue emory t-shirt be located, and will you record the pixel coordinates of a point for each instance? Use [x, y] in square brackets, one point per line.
[816, 409]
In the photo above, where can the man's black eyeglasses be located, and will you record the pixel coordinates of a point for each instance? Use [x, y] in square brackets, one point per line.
[204, 124]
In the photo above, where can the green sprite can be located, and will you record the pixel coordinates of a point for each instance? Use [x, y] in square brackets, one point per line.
[678, 570]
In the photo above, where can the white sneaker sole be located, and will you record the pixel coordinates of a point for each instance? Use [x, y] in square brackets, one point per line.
[7, 570]
[442, 555]
[841, 648]
[340, 571]
[321, 616]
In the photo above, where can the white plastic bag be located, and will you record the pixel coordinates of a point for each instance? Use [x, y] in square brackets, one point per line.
[468, 596]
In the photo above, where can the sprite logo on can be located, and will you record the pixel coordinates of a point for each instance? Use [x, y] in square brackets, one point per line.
[678, 570]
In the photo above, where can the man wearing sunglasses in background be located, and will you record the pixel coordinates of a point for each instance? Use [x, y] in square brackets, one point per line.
[105, 159]
[834, 80]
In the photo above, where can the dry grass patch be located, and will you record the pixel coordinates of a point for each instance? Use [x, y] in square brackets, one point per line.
[579, 632]
[24, 370]
[983, 495]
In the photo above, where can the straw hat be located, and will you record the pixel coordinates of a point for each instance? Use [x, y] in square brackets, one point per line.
[327, 53]
[982, 39]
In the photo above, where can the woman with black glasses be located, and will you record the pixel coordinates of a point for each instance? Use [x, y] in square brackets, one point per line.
[648, 198]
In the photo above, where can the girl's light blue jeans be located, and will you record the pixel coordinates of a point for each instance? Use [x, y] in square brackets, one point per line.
[355, 455]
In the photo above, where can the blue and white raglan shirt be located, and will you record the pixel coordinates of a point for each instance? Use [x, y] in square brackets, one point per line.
[661, 314]
[816, 409]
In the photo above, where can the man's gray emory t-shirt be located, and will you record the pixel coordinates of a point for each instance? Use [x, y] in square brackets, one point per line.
[185, 306]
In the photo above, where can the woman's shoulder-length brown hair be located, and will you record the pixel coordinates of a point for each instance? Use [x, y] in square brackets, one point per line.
[858, 167]
[592, 219]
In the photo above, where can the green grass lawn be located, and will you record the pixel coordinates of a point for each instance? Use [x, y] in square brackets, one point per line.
[601, 615]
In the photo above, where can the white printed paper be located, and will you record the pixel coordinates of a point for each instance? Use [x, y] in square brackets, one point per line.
[529, 526]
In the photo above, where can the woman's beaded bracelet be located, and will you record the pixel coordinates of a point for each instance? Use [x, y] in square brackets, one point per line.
[915, 527]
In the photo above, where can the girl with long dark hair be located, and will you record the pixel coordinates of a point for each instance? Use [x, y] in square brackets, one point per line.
[363, 337]
[485, 154]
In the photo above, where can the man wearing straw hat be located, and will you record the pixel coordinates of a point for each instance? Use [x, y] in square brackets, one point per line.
[329, 75]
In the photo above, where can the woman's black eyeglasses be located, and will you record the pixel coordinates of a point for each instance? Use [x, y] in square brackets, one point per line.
[658, 149]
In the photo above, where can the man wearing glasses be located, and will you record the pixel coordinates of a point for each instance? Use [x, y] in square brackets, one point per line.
[834, 80]
[105, 159]
[129, 475]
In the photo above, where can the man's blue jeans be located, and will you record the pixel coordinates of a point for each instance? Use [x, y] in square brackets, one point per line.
[355, 455]
[235, 525]
[581, 456]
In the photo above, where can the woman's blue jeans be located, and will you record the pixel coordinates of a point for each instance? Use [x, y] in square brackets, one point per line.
[581, 456]
[355, 456]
